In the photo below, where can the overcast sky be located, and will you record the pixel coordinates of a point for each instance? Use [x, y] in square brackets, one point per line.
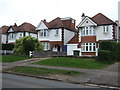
[33, 11]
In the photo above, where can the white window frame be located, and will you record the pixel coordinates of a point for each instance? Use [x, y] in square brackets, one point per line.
[11, 35]
[88, 31]
[106, 29]
[46, 46]
[44, 33]
[88, 47]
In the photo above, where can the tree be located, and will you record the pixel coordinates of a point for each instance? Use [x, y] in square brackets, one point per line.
[26, 44]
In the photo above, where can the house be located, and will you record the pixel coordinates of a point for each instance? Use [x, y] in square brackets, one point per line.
[11, 33]
[3, 32]
[55, 34]
[92, 30]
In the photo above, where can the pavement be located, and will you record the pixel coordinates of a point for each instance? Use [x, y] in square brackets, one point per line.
[107, 77]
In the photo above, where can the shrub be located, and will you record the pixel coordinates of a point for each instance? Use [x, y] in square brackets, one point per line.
[108, 51]
[26, 44]
[104, 56]
[7, 46]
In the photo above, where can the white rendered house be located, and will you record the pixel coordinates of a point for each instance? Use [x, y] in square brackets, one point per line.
[55, 34]
[91, 31]
[16, 32]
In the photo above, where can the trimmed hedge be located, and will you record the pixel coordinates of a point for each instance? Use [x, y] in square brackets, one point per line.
[7, 46]
[104, 56]
[108, 51]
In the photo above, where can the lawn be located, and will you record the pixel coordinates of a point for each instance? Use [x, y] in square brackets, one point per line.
[13, 58]
[73, 62]
[41, 71]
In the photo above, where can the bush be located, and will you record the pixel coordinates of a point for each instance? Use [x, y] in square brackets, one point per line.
[7, 46]
[104, 56]
[26, 44]
[108, 51]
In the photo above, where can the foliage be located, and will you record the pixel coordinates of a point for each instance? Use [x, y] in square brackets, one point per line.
[73, 62]
[13, 58]
[26, 44]
[104, 56]
[108, 51]
[7, 46]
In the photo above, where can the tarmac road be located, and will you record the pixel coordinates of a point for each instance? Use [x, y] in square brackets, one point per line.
[17, 81]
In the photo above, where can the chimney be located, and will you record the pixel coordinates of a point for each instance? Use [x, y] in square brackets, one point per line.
[44, 20]
[83, 16]
[15, 24]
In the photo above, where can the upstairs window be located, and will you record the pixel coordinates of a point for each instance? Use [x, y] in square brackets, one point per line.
[56, 31]
[105, 29]
[86, 31]
[12, 36]
[44, 33]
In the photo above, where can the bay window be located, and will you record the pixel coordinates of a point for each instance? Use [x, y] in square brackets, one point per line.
[44, 33]
[88, 47]
[86, 31]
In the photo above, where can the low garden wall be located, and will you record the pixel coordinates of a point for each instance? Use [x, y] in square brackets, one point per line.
[48, 54]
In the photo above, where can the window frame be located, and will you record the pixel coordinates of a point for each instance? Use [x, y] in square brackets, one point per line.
[88, 31]
[88, 47]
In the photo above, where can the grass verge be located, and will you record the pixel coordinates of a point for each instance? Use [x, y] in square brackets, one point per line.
[13, 58]
[73, 62]
[41, 71]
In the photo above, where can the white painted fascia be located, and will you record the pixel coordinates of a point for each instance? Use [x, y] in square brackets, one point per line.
[38, 27]
[86, 18]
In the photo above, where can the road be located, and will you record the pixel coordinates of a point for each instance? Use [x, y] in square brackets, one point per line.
[17, 81]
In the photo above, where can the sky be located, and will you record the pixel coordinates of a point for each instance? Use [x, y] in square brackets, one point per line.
[33, 11]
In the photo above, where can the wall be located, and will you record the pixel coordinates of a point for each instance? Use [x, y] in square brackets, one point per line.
[52, 36]
[3, 38]
[68, 36]
[101, 35]
[70, 48]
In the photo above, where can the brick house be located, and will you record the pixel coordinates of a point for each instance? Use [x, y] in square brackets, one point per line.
[55, 34]
[92, 30]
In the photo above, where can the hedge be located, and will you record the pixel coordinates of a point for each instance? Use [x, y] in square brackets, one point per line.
[108, 51]
[7, 46]
[104, 56]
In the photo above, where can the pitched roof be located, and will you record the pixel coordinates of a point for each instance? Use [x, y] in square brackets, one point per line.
[101, 19]
[27, 27]
[15, 28]
[58, 23]
[74, 40]
[4, 29]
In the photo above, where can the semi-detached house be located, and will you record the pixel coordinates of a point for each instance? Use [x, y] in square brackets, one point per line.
[92, 30]
[56, 34]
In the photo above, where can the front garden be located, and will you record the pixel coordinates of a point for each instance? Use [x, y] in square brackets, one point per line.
[13, 58]
[73, 62]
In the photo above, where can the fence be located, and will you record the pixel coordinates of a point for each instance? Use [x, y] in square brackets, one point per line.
[47, 54]
[5, 52]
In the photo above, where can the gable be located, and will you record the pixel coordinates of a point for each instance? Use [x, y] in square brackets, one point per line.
[10, 30]
[41, 25]
[87, 22]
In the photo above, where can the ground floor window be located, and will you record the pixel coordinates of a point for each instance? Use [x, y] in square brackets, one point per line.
[46, 45]
[88, 47]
